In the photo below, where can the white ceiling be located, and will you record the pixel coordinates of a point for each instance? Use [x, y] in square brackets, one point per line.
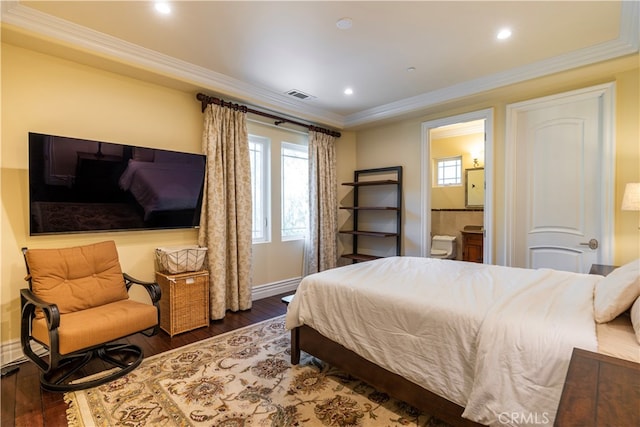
[257, 51]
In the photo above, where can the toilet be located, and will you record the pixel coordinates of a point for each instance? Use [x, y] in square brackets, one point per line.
[443, 247]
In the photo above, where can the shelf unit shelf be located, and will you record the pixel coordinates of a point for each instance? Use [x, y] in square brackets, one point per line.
[369, 233]
[361, 257]
[371, 208]
[393, 185]
[378, 182]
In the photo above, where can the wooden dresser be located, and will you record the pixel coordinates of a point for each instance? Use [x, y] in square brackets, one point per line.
[600, 391]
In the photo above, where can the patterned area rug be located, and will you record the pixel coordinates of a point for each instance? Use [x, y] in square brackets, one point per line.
[239, 379]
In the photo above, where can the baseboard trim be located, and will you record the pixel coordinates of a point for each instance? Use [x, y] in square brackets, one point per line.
[11, 352]
[275, 288]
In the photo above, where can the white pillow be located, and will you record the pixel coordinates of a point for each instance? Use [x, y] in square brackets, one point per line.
[635, 318]
[616, 292]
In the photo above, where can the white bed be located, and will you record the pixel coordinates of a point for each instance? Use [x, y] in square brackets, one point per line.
[490, 339]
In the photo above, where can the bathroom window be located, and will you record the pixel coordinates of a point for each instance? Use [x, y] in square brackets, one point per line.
[449, 171]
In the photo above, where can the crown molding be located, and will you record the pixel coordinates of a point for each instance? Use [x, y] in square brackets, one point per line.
[626, 44]
[81, 37]
[46, 25]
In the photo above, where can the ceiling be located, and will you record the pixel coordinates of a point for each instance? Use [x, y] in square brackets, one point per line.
[258, 51]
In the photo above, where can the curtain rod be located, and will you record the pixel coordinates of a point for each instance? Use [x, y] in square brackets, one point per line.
[206, 100]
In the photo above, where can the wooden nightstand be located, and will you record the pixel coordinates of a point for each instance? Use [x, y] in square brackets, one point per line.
[602, 269]
[599, 391]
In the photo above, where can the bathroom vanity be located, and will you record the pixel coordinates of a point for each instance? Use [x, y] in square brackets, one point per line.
[472, 243]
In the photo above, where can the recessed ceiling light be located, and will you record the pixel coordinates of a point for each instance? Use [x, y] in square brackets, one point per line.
[504, 34]
[411, 69]
[163, 7]
[344, 23]
[348, 91]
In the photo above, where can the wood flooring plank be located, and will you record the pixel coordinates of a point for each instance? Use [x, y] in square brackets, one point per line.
[28, 401]
[9, 385]
[54, 408]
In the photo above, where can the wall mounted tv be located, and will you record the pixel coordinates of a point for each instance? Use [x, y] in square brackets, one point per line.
[77, 185]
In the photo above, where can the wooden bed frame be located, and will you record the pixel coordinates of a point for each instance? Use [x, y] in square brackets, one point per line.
[305, 338]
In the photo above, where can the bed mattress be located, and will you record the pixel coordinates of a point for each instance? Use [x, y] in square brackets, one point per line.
[489, 338]
[618, 339]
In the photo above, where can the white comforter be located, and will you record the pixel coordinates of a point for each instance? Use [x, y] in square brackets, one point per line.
[496, 340]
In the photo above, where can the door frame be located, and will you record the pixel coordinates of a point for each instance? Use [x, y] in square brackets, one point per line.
[606, 93]
[426, 171]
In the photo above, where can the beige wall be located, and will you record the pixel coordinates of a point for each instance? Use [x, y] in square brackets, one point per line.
[452, 197]
[278, 260]
[267, 265]
[450, 223]
[52, 95]
[399, 143]
[58, 97]
[42, 93]
[627, 224]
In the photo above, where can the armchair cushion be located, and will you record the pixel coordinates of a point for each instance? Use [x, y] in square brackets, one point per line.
[108, 322]
[77, 278]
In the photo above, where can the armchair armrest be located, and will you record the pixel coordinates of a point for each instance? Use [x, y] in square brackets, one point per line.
[152, 287]
[30, 302]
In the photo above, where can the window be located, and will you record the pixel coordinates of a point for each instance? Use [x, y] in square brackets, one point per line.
[295, 190]
[259, 152]
[449, 171]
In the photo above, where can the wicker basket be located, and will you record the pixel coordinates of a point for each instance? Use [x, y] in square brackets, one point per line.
[180, 259]
[184, 304]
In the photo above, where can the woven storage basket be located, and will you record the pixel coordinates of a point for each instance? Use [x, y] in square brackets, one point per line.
[180, 259]
[184, 304]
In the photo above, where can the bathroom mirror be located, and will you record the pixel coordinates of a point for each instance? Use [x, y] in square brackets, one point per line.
[474, 188]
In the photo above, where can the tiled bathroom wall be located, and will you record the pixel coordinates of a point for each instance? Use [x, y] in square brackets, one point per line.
[451, 221]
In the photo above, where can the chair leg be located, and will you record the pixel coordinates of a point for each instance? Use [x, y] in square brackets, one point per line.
[59, 379]
[67, 367]
[105, 353]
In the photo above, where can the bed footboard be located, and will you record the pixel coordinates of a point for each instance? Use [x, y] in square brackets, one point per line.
[305, 338]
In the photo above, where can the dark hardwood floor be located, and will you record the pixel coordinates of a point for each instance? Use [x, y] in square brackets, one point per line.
[24, 403]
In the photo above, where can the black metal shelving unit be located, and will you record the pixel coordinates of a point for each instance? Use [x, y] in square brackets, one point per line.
[360, 180]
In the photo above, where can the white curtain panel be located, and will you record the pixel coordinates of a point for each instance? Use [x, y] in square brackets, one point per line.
[321, 246]
[225, 222]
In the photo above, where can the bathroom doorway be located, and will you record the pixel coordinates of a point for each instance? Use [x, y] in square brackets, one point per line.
[457, 180]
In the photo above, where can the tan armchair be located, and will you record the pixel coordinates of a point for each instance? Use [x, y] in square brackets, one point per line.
[76, 306]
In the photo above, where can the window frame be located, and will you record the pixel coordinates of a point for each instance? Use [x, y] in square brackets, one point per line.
[438, 169]
[264, 230]
[302, 148]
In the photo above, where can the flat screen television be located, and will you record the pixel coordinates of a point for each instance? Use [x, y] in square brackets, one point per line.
[78, 185]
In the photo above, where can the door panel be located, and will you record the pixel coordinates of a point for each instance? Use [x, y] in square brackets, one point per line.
[559, 184]
[556, 258]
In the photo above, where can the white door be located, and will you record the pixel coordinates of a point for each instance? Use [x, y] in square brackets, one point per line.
[560, 149]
